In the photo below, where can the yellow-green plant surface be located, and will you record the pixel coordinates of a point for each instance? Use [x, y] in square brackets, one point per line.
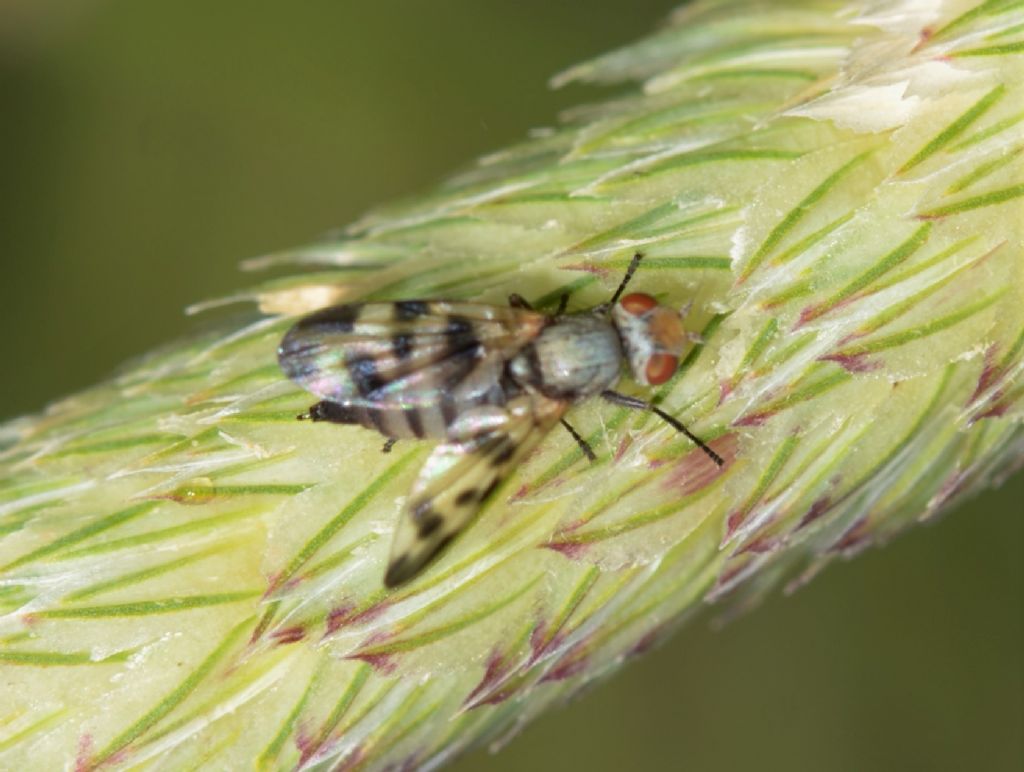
[191, 578]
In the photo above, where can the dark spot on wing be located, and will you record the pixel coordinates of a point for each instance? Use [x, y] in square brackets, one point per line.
[376, 417]
[503, 453]
[363, 372]
[458, 326]
[412, 415]
[429, 524]
[462, 352]
[404, 567]
[449, 411]
[402, 344]
[407, 310]
[460, 335]
[442, 545]
[337, 318]
[467, 497]
[301, 347]
[490, 490]
[399, 572]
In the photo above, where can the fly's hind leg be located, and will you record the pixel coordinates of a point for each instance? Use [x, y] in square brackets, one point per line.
[389, 443]
[331, 412]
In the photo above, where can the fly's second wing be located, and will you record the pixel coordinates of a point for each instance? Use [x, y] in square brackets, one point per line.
[413, 364]
[462, 474]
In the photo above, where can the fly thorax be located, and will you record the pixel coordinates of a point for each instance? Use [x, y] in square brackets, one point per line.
[572, 358]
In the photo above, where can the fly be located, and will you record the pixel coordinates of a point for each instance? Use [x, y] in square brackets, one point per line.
[488, 381]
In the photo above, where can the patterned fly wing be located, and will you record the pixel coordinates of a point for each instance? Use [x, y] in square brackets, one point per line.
[460, 475]
[410, 368]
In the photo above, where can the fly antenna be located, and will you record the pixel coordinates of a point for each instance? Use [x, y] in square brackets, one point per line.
[633, 265]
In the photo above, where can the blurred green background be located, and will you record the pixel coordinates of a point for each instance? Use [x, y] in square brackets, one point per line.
[147, 147]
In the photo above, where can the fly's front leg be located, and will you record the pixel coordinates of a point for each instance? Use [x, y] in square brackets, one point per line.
[518, 301]
[635, 403]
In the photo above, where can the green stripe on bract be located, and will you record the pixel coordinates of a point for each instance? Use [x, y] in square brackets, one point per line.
[191, 494]
[189, 684]
[624, 230]
[717, 157]
[348, 696]
[922, 331]
[358, 502]
[811, 239]
[640, 520]
[139, 608]
[111, 446]
[45, 722]
[752, 73]
[955, 129]
[983, 171]
[695, 262]
[163, 535]
[987, 8]
[764, 482]
[142, 575]
[764, 337]
[803, 392]
[897, 310]
[59, 658]
[439, 633]
[798, 212]
[83, 533]
[572, 602]
[977, 202]
[903, 252]
[1001, 50]
[912, 270]
[996, 128]
[274, 748]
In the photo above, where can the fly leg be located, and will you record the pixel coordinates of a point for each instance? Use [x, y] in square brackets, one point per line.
[563, 303]
[635, 403]
[389, 443]
[584, 445]
[518, 301]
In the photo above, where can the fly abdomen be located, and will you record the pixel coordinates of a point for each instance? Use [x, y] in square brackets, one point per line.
[394, 422]
[434, 421]
[407, 423]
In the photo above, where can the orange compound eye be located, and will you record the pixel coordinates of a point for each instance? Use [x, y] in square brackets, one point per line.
[638, 303]
[660, 368]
